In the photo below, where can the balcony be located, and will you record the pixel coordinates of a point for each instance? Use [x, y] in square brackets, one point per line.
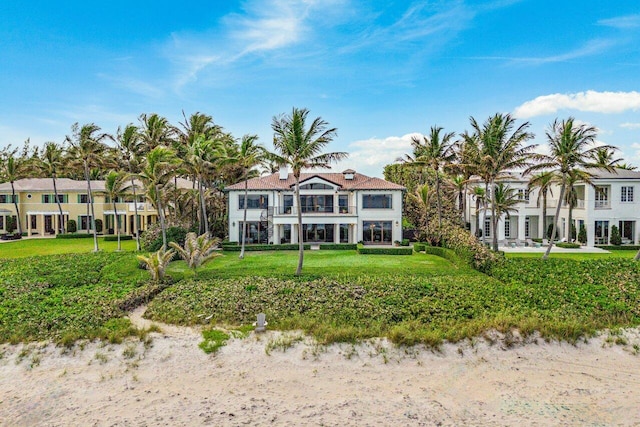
[603, 204]
[317, 210]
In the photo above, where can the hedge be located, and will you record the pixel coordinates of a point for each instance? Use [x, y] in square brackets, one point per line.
[75, 236]
[286, 247]
[445, 253]
[115, 238]
[419, 247]
[619, 248]
[567, 245]
[338, 246]
[385, 251]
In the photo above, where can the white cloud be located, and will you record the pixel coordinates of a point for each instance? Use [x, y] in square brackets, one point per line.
[629, 125]
[592, 101]
[622, 22]
[370, 156]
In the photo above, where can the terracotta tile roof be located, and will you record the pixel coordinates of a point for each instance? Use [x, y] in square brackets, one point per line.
[359, 182]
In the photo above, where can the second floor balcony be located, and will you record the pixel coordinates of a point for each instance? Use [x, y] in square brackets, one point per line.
[318, 210]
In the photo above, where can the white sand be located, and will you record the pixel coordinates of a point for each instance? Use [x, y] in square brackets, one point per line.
[175, 383]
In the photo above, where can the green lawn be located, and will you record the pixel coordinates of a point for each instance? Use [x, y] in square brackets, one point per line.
[576, 256]
[49, 246]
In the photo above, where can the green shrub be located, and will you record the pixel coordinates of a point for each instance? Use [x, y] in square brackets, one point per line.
[72, 226]
[74, 236]
[419, 247]
[234, 247]
[619, 248]
[405, 242]
[582, 234]
[384, 251]
[338, 246]
[115, 238]
[98, 225]
[537, 240]
[12, 224]
[568, 245]
[151, 239]
[615, 239]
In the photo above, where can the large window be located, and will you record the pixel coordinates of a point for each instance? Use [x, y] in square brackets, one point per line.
[343, 203]
[257, 232]
[317, 203]
[602, 197]
[377, 232]
[84, 222]
[627, 230]
[507, 228]
[344, 233]
[318, 232]
[254, 201]
[316, 186]
[627, 195]
[602, 232]
[377, 201]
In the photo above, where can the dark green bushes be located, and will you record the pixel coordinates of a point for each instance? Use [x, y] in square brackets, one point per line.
[74, 236]
[115, 238]
[567, 245]
[368, 250]
[234, 247]
[72, 227]
[338, 246]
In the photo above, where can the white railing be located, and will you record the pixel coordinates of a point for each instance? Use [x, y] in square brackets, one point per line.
[602, 204]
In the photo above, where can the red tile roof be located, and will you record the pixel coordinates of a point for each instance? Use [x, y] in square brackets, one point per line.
[359, 182]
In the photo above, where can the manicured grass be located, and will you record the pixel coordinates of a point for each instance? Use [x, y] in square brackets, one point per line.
[49, 246]
[574, 256]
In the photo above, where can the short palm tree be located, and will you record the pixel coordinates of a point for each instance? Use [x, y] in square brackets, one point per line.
[422, 195]
[198, 250]
[156, 263]
[87, 150]
[571, 152]
[115, 188]
[156, 173]
[300, 147]
[50, 164]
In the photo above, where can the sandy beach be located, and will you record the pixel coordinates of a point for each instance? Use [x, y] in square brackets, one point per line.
[170, 381]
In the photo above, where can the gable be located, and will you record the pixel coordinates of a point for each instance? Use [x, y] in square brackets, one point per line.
[317, 182]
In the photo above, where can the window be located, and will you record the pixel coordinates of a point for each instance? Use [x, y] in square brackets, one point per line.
[487, 227]
[257, 232]
[523, 194]
[316, 186]
[377, 201]
[626, 230]
[343, 203]
[254, 201]
[507, 228]
[319, 203]
[627, 195]
[51, 198]
[377, 231]
[287, 204]
[8, 198]
[344, 233]
[83, 198]
[318, 232]
[602, 197]
[527, 227]
[84, 222]
[1, 222]
[602, 232]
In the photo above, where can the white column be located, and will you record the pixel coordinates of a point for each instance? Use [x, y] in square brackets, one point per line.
[28, 224]
[590, 227]
[521, 221]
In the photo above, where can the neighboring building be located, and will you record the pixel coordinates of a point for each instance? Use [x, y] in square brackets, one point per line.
[613, 200]
[345, 207]
[40, 215]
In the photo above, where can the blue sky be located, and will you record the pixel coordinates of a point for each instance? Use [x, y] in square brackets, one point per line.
[378, 71]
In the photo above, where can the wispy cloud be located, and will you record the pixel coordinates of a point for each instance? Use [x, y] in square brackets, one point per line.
[369, 156]
[592, 101]
[622, 22]
[628, 125]
[134, 85]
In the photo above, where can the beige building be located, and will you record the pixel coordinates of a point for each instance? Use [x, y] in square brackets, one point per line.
[39, 213]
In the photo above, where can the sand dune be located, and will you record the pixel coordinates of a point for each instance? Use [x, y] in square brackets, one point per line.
[173, 382]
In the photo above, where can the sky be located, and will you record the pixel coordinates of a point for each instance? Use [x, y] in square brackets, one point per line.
[380, 72]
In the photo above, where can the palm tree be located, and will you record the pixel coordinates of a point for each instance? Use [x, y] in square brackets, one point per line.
[155, 131]
[604, 157]
[571, 152]
[626, 166]
[435, 151]
[13, 169]
[300, 147]
[115, 187]
[505, 199]
[129, 144]
[422, 195]
[198, 250]
[478, 193]
[156, 173]
[497, 148]
[199, 160]
[248, 156]
[50, 164]
[156, 263]
[544, 181]
[459, 184]
[87, 149]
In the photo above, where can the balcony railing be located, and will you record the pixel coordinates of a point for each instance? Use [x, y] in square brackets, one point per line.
[602, 204]
[579, 204]
[319, 210]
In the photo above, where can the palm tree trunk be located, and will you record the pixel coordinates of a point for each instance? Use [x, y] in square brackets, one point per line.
[637, 257]
[494, 220]
[135, 210]
[570, 237]
[438, 199]
[55, 192]
[300, 233]
[477, 217]
[117, 222]
[203, 206]
[555, 223]
[484, 209]
[161, 215]
[93, 216]
[15, 203]
[244, 221]
[544, 214]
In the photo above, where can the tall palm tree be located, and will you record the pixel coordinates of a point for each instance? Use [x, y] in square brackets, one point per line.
[604, 157]
[51, 163]
[247, 157]
[13, 169]
[506, 199]
[422, 195]
[478, 193]
[115, 187]
[571, 151]
[128, 141]
[459, 184]
[497, 149]
[544, 181]
[199, 159]
[88, 149]
[156, 173]
[434, 150]
[300, 147]
[155, 131]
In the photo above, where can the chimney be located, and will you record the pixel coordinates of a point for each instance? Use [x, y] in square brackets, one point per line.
[284, 172]
[349, 174]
